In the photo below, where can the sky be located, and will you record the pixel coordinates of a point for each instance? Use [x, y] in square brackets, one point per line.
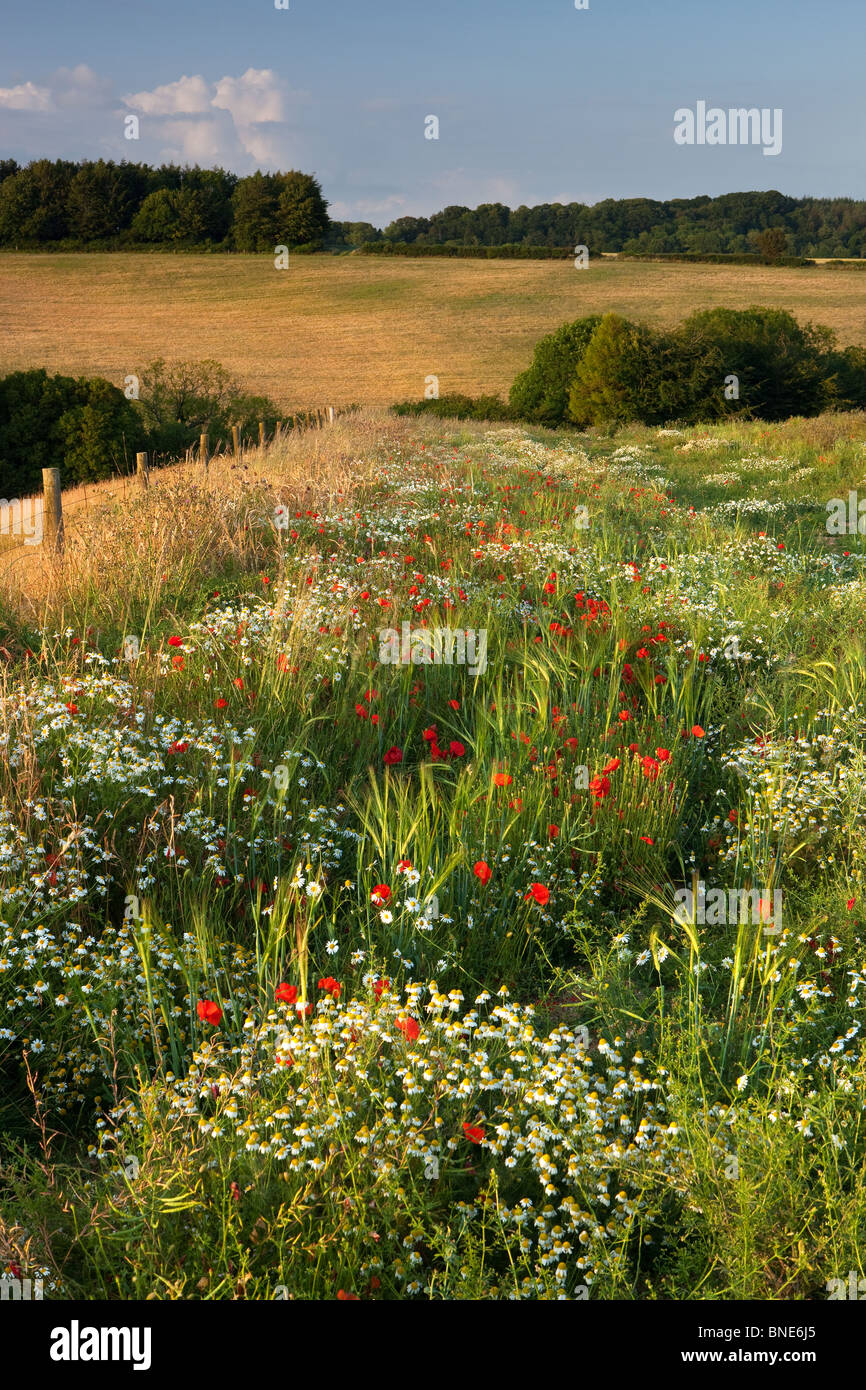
[536, 100]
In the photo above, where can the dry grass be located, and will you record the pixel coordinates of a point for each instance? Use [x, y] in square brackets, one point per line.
[122, 543]
[340, 329]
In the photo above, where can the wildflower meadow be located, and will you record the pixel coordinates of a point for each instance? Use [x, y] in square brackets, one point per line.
[433, 870]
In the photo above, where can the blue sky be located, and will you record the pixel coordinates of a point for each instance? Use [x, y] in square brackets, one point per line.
[536, 101]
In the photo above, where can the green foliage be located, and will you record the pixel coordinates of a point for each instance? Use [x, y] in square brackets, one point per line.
[615, 380]
[86, 427]
[181, 400]
[540, 394]
[278, 210]
[457, 407]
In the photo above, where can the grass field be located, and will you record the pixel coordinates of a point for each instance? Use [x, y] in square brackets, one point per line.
[329, 976]
[337, 330]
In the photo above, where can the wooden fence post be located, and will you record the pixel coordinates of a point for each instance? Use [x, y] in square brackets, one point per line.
[236, 441]
[202, 451]
[52, 519]
[330, 415]
[261, 434]
[141, 469]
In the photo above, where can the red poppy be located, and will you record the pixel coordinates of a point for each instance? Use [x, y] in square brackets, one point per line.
[177, 663]
[611, 766]
[393, 755]
[380, 894]
[286, 994]
[483, 871]
[175, 641]
[474, 1133]
[330, 986]
[347, 1297]
[553, 831]
[220, 703]
[209, 1012]
[647, 841]
[408, 1027]
[73, 709]
[663, 755]
[697, 731]
[380, 986]
[282, 662]
[850, 903]
[455, 704]
[501, 779]
[456, 748]
[539, 893]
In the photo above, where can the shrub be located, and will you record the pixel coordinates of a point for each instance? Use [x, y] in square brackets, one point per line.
[181, 400]
[87, 427]
[616, 378]
[457, 407]
[540, 394]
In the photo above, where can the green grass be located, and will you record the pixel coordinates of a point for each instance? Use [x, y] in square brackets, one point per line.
[677, 1103]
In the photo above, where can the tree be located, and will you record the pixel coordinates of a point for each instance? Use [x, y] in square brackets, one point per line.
[255, 225]
[616, 379]
[540, 394]
[302, 213]
[87, 427]
[772, 244]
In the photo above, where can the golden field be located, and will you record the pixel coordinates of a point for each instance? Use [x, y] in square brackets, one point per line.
[343, 329]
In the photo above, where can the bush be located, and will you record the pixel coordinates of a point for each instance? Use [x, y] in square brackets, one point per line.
[617, 379]
[457, 407]
[540, 394]
[181, 400]
[86, 427]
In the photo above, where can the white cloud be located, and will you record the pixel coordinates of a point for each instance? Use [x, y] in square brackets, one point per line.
[189, 96]
[25, 97]
[195, 141]
[81, 87]
[252, 99]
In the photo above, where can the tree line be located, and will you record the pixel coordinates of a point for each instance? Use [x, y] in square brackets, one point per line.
[105, 205]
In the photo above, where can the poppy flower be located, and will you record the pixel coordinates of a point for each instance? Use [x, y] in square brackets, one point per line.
[380, 986]
[220, 703]
[663, 755]
[282, 662]
[286, 994]
[553, 831]
[539, 893]
[454, 704]
[347, 1297]
[175, 641]
[850, 903]
[177, 662]
[474, 1133]
[404, 866]
[330, 986]
[380, 894]
[456, 748]
[393, 755]
[483, 871]
[697, 731]
[209, 1012]
[73, 709]
[409, 1027]
[647, 841]
[611, 766]
[501, 779]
